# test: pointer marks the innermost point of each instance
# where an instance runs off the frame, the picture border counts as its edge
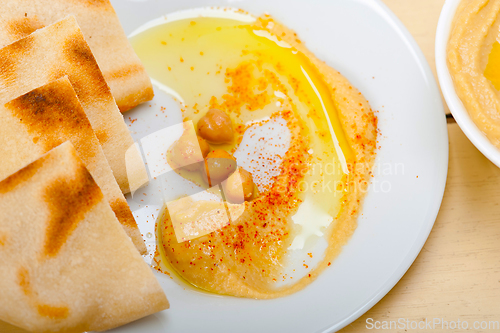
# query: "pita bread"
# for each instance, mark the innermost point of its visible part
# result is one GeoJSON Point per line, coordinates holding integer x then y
{"type": "Point", "coordinates": [122, 69]}
{"type": "Point", "coordinates": [41, 120]}
{"type": "Point", "coordinates": [67, 264]}
{"type": "Point", "coordinates": [58, 50]}
{"type": "Point", "coordinates": [8, 328]}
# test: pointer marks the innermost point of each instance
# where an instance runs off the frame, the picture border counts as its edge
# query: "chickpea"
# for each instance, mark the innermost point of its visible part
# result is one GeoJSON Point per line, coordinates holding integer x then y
{"type": "Point", "coordinates": [185, 152]}
{"type": "Point", "coordinates": [238, 184]}
{"type": "Point", "coordinates": [219, 164]}
{"type": "Point", "coordinates": [216, 127]}
{"type": "Point", "coordinates": [205, 148]}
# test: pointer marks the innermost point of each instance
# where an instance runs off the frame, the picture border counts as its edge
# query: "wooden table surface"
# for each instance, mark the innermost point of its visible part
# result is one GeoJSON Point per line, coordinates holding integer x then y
{"type": "Point", "coordinates": [457, 274]}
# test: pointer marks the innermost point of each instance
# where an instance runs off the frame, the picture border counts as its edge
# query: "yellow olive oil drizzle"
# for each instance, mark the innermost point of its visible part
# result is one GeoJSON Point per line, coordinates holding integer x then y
{"type": "Point", "coordinates": [163, 262]}
{"type": "Point", "coordinates": [492, 71]}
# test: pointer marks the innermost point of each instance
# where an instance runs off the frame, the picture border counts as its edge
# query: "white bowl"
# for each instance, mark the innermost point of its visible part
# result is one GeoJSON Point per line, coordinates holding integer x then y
{"type": "Point", "coordinates": [456, 106]}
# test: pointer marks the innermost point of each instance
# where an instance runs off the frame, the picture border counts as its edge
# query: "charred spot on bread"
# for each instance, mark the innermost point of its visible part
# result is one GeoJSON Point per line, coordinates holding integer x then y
{"type": "Point", "coordinates": [3, 239]}
{"type": "Point", "coordinates": [23, 26]}
{"type": "Point", "coordinates": [126, 71]}
{"type": "Point", "coordinates": [53, 312]}
{"type": "Point", "coordinates": [51, 114]}
{"type": "Point", "coordinates": [81, 59]}
{"type": "Point", "coordinates": [102, 135]}
{"type": "Point", "coordinates": [24, 280]}
{"type": "Point", "coordinates": [123, 213]}
{"type": "Point", "coordinates": [22, 176]}
{"type": "Point", "coordinates": [69, 200]}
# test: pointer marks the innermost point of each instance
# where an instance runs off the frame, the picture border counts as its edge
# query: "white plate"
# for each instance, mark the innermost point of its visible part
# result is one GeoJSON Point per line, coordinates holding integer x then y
{"type": "Point", "coordinates": [367, 44]}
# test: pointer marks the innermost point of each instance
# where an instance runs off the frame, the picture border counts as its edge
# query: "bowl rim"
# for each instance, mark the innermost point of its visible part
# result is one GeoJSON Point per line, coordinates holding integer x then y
{"type": "Point", "coordinates": [457, 109]}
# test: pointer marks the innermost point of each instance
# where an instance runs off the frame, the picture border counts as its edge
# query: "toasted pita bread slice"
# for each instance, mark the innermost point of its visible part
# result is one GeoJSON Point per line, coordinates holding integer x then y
{"type": "Point", "coordinates": [41, 120]}
{"type": "Point", "coordinates": [58, 50]}
{"type": "Point", "coordinates": [122, 69]}
{"type": "Point", "coordinates": [67, 264]}
{"type": "Point", "coordinates": [8, 328]}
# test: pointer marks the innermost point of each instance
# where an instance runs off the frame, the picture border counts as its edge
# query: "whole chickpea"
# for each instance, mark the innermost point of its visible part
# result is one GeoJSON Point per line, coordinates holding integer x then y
{"type": "Point", "coordinates": [219, 165]}
{"type": "Point", "coordinates": [216, 127]}
{"type": "Point", "coordinates": [239, 186]}
{"type": "Point", "coordinates": [185, 152]}
{"type": "Point", "coordinates": [205, 148]}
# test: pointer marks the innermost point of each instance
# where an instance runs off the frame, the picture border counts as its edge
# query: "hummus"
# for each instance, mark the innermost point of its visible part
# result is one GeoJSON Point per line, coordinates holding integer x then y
{"type": "Point", "coordinates": [273, 83]}
{"type": "Point", "coordinates": [474, 63]}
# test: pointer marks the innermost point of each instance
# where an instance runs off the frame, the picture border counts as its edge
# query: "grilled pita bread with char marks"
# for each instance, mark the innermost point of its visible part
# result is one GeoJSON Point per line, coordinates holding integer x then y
{"type": "Point", "coordinates": [41, 120]}
{"type": "Point", "coordinates": [58, 50]}
{"type": "Point", "coordinates": [67, 264]}
{"type": "Point", "coordinates": [122, 69]}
